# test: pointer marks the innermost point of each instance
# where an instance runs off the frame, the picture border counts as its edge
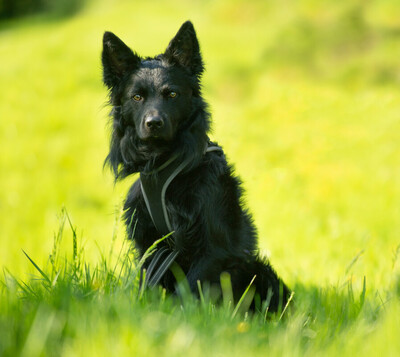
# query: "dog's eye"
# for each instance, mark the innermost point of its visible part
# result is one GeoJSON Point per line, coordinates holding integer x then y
{"type": "Point", "coordinates": [172, 94]}
{"type": "Point", "coordinates": [137, 97]}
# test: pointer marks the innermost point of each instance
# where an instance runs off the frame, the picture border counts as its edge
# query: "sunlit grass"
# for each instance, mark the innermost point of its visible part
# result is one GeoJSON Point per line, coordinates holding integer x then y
{"type": "Point", "coordinates": [73, 306]}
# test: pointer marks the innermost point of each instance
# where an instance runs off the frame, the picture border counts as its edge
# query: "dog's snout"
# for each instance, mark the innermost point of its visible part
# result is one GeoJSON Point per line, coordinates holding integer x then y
{"type": "Point", "coordinates": [154, 122]}
{"type": "Point", "coordinates": [155, 125]}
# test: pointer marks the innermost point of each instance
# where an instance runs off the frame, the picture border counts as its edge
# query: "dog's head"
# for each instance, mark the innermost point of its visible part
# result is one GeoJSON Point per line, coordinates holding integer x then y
{"type": "Point", "coordinates": [156, 101]}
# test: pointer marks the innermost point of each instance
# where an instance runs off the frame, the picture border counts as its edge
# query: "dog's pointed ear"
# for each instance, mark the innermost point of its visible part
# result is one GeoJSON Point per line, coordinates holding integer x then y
{"type": "Point", "coordinates": [117, 59]}
{"type": "Point", "coordinates": [184, 50]}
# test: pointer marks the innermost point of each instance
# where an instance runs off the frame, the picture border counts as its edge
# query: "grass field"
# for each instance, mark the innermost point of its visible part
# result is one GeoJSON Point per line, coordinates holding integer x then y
{"type": "Point", "coordinates": [306, 102]}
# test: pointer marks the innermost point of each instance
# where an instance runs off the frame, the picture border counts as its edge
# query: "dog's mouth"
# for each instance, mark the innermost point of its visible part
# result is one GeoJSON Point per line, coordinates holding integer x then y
{"type": "Point", "coordinates": [156, 140]}
{"type": "Point", "coordinates": [163, 134]}
{"type": "Point", "coordinates": [156, 135]}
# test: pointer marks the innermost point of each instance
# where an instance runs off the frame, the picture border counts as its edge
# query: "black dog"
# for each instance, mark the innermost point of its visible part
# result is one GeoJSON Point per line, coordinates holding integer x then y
{"type": "Point", "coordinates": [160, 126]}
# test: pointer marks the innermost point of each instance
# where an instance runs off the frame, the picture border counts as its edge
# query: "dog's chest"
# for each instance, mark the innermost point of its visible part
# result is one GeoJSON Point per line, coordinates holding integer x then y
{"type": "Point", "coordinates": [168, 186]}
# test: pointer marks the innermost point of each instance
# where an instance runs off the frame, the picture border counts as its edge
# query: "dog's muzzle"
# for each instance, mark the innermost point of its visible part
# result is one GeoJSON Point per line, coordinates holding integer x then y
{"type": "Point", "coordinates": [156, 126]}
{"type": "Point", "coordinates": [154, 123]}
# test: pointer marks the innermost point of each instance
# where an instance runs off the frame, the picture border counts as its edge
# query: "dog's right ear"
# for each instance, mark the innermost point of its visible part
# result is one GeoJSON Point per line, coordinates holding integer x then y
{"type": "Point", "coordinates": [184, 50]}
{"type": "Point", "coordinates": [117, 59]}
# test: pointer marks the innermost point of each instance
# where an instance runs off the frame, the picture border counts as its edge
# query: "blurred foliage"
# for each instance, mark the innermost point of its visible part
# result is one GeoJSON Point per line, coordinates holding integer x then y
{"type": "Point", "coordinates": [10, 9]}
{"type": "Point", "coordinates": [352, 44]}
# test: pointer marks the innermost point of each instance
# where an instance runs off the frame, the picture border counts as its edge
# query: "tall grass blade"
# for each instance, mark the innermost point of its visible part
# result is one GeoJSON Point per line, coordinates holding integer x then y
{"type": "Point", "coordinates": [142, 287]}
{"type": "Point", "coordinates": [152, 248]}
{"type": "Point", "coordinates": [267, 303]}
{"type": "Point", "coordinates": [27, 289]}
{"type": "Point", "coordinates": [226, 286]}
{"type": "Point", "coordinates": [183, 285]}
{"type": "Point", "coordinates": [286, 306]}
{"type": "Point", "coordinates": [201, 295]}
{"type": "Point", "coordinates": [42, 273]}
{"type": "Point", "coordinates": [354, 260]}
{"type": "Point", "coordinates": [243, 297]}
{"type": "Point", "coordinates": [364, 290]}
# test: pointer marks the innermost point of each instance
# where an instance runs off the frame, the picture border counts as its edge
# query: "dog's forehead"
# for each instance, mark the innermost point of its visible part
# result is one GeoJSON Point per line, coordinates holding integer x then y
{"type": "Point", "coordinates": [156, 74]}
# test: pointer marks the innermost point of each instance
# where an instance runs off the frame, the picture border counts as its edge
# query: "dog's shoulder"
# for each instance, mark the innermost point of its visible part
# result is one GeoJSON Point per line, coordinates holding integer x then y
{"type": "Point", "coordinates": [133, 193]}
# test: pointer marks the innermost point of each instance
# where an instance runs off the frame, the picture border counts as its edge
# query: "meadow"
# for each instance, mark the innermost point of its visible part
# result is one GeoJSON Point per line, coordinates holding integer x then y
{"type": "Point", "coordinates": [305, 97]}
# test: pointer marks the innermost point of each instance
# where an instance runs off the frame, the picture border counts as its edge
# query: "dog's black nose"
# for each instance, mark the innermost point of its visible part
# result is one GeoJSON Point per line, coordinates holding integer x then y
{"type": "Point", "coordinates": [154, 122]}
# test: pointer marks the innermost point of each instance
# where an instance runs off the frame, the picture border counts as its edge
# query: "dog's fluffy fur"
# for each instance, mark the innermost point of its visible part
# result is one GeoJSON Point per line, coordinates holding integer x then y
{"type": "Point", "coordinates": [158, 111]}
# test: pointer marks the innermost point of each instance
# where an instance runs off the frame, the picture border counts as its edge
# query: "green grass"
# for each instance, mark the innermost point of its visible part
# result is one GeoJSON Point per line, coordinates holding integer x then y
{"type": "Point", "coordinates": [75, 307]}
{"type": "Point", "coordinates": [305, 101]}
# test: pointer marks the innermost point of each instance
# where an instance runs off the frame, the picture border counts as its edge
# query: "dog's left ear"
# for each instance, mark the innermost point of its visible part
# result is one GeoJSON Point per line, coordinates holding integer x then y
{"type": "Point", "coordinates": [117, 59]}
{"type": "Point", "coordinates": [184, 50]}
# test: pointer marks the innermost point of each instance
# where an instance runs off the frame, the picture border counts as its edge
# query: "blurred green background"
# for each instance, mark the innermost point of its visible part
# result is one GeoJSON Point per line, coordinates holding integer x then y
{"type": "Point", "coordinates": [305, 99]}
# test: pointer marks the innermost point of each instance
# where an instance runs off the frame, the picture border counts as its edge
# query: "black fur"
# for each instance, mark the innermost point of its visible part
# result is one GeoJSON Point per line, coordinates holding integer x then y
{"type": "Point", "coordinates": [158, 111]}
